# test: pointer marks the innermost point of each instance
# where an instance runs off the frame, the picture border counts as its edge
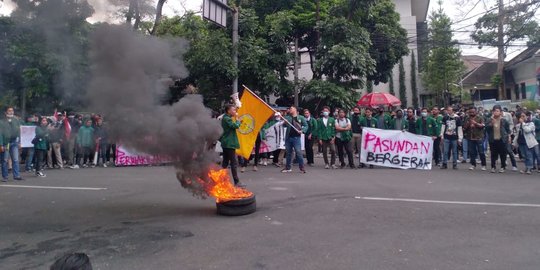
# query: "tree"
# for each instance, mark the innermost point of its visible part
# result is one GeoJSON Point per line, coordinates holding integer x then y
{"type": "Point", "coordinates": [414, 88]}
{"type": "Point", "coordinates": [369, 86]}
{"type": "Point", "coordinates": [391, 84]}
{"type": "Point", "coordinates": [443, 65]}
{"type": "Point", "coordinates": [402, 87]}
{"type": "Point", "coordinates": [503, 26]}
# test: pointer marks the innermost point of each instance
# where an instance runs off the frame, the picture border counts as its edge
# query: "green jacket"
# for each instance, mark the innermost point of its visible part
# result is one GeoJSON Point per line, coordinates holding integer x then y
{"type": "Point", "coordinates": [312, 127]}
{"type": "Point", "coordinates": [431, 127]}
{"type": "Point", "coordinates": [11, 130]}
{"type": "Point", "coordinates": [42, 136]}
{"type": "Point", "coordinates": [303, 124]}
{"type": "Point", "coordinates": [327, 132]}
{"type": "Point", "coordinates": [387, 120]}
{"type": "Point", "coordinates": [229, 139]}
{"type": "Point", "coordinates": [404, 124]}
{"type": "Point", "coordinates": [363, 122]}
{"type": "Point", "coordinates": [438, 120]}
{"type": "Point", "coordinates": [85, 137]}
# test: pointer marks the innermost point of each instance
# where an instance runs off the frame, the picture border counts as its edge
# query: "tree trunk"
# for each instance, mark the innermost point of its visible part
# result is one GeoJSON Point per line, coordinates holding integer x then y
{"type": "Point", "coordinates": [500, 48]}
{"type": "Point", "coordinates": [159, 11]}
{"type": "Point", "coordinates": [137, 16]}
{"type": "Point", "coordinates": [129, 15]}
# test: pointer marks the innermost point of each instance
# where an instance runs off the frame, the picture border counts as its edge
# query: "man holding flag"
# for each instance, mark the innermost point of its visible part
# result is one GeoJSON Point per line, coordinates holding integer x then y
{"type": "Point", "coordinates": [296, 126]}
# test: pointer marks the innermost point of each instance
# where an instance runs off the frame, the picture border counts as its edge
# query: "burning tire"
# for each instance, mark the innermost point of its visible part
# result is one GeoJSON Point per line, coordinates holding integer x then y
{"type": "Point", "coordinates": [237, 207]}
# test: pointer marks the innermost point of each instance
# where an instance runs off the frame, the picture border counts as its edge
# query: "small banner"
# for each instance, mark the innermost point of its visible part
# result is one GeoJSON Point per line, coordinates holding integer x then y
{"type": "Point", "coordinates": [129, 157]}
{"type": "Point", "coordinates": [28, 133]}
{"type": "Point", "coordinates": [396, 149]}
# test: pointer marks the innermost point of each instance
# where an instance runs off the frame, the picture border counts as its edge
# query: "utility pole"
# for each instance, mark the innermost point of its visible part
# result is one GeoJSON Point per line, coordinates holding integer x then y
{"type": "Point", "coordinates": [235, 41]}
{"type": "Point", "coordinates": [500, 48]}
{"type": "Point", "coordinates": [296, 67]}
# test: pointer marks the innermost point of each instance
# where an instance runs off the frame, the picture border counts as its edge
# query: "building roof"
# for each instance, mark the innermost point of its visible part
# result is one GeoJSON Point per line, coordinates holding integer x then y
{"type": "Point", "coordinates": [420, 9]}
{"type": "Point", "coordinates": [473, 62]}
{"type": "Point", "coordinates": [525, 55]}
{"type": "Point", "coordinates": [481, 75]}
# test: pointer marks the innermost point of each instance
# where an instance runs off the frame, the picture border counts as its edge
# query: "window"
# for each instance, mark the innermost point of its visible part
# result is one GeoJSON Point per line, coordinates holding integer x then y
{"type": "Point", "coordinates": [516, 91]}
{"type": "Point", "coordinates": [523, 91]}
{"type": "Point", "coordinates": [508, 94]}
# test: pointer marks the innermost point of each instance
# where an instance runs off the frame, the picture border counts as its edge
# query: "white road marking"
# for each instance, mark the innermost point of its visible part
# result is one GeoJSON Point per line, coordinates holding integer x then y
{"type": "Point", "coordinates": [50, 187]}
{"type": "Point", "coordinates": [447, 202]}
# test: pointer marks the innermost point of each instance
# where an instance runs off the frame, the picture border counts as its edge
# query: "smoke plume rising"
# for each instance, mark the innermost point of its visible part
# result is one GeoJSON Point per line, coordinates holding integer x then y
{"type": "Point", "coordinates": [128, 71]}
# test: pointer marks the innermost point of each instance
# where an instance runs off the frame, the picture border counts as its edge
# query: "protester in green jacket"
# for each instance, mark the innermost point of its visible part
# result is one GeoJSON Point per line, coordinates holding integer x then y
{"type": "Point", "coordinates": [398, 122]}
{"type": "Point", "coordinates": [85, 143]}
{"type": "Point", "coordinates": [229, 141]}
{"type": "Point", "coordinates": [368, 120]}
{"type": "Point", "coordinates": [41, 145]}
{"type": "Point", "coordinates": [310, 136]}
{"type": "Point", "coordinates": [435, 114]}
{"type": "Point", "coordinates": [326, 133]}
{"type": "Point", "coordinates": [11, 127]}
{"type": "Point", "coordinates": [426, 125]}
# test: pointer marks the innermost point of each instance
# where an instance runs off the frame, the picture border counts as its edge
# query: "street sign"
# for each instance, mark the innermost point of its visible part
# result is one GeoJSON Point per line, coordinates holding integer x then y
{"type": "Point", "coordinates": [216, 11]}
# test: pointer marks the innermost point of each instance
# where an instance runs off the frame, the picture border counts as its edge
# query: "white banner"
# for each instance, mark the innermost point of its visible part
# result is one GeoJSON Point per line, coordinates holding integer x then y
{"type": "Point", "coordinates": [28, 133]}
{"type": "Point", "coordinates": [396, 149]}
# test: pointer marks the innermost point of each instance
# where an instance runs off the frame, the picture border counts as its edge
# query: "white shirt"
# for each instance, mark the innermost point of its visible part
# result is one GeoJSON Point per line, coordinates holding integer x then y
{"type": "Point", "coordinates": [325, 121]}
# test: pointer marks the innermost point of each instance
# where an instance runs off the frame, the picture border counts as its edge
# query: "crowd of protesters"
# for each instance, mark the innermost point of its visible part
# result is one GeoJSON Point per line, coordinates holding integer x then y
{"type": "Point", "coordinates": [460, 136]}
{"type": "Point", "coordinates": [60, 141]}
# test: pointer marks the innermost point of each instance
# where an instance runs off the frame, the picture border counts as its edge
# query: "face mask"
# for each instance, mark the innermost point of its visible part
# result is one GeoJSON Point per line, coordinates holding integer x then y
{"type": "Point", "coordinates": [9, 115]}
{"type": "Point", "coordinates": [424, 114]}
{"type": "Point", "coordinates": [325, 114]}
{"type": "Point", "coordinates": [356, 113]}
{"type": "Point", "coordinates": [277, 118]}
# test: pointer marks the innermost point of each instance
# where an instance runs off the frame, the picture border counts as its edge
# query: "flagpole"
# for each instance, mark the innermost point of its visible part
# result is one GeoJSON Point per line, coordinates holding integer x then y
{"type": "Point", "coordinates": [255, 95]}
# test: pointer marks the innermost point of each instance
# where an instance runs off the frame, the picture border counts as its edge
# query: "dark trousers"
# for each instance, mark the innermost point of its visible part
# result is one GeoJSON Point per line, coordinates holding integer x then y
{"type": "Point", "coordinates": [498, 149]}
{"type": "Point", "coordinates": [229, 157]}
{"type": "Point", "coordinates": [511, 154]}
{"type": "Point", "coordinates": [343, 148]}
{"type": "Point", "coordinates": [257, 149]}
{"type": "Point", "coordinates": [325, 145]}
{"type": "Point", "coordinates": [276, 153]}
{"type": "Point", "coordinates": [40, 157]}
{"type": "Point", "coordinates": [437, 150]}
{"type": "Point", "coordinates": [308, 143]}
{"type": "Point", "coordinates": [476, 148]}
{"type": "Point", "coordinates": [87, 154]}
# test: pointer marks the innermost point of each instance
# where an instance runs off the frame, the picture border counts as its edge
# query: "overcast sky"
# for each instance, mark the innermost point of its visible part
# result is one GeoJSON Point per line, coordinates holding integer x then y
{"type": "Point", "coordinates": [463, 12]}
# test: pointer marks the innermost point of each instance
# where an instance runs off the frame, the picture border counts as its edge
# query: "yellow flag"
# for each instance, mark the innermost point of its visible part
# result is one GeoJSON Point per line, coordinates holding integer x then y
{"type": "Point", "coordinates": [253, 114]}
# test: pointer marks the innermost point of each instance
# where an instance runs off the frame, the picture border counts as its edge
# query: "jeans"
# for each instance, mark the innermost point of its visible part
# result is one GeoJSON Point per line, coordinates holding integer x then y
{"type": "Point", "coordinates": [29, 159]}
{"type": "Point", "coordinates": [294, 143]}
{"type": "Point", "coordinates": [476, 147]}
{"type": "Point", "coordinates": [12, 152]}
{"type": "Point", "coordinates": [528, 154]}
{"type": "Point", "coordinates": [498, 149]}
{"type": "Point", "coordinates": [447, 144]}
{"type": "Point", "coordinates": [465, 147]}
{"type": "Point", "coordinates": [229, 157]}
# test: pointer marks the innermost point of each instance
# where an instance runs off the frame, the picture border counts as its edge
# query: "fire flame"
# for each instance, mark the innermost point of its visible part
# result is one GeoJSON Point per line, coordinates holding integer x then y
{"type": "Point", "coordinates": [222, 188]}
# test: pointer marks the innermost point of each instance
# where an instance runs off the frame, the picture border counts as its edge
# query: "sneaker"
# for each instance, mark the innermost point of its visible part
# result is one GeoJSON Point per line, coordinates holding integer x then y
{"type": "Point", "coordinates": [501, 170]}
{"type": "Point", "coordinates": [286, 170]}
{"type": "Point", "coordinates": [334, 167]}
{"type": "Point", "coordinates": [514, 169]}
{"type": "Point", "coordinates": [40, 174]}
{"type": "Point", "coordinates": [85, 166]}
{"type": "Point", "coordinates": [472, 168]}
{"type": "Point", "coordinates": [327, 166]}
{"type": "Point", "coordinates": [265, 163]}
{"type": "Point", "coordinates": [239, 184]}
{"type": "Point", "coordinates": [243, 169]}
{"type": "Point", "coordinates": [522, 171]}
{"type": "Point", "coordinates": [483, 168]}
{"type": "Point", "coordinates": [311, 165]}
{"type": "Point", "coordinates": [4, 179]}
{"type": "Point", "coordinates": [74, 167]}
{"type": "Point", "coordinates": [18, 178]}
{"type": "Point", "coordinates": [454, 166]}
{"type": "Point", "coordinates": [493, 170]}
{"type": "Point", "coordinates": [104, 165]}
{"type": "Point", "coordinates": [529, 171]}
{"type": "Point", "coordinates": [444, 167]}
{"type": "Point", "coordinates": [302, 170]}
{"type": "Point", "coordinates": [255, 168]}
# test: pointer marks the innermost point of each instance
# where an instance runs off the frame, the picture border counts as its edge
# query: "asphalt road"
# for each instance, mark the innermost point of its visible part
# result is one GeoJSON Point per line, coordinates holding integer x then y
{"type": "Point", "coordinates": [325, 219]}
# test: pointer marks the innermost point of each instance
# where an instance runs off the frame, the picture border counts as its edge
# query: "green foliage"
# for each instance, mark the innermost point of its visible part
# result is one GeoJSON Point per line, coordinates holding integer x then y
{"type": "Point", "coordinates": [414, 87]}
{"type": "Point", "coordinates": [496, 80]}
{"type": "Point", "coordinates": [531, 105]}
{"type": "Point", "coordinates": [318, 93]}
{"type": "Point", "coordinates": [369, 86]}
{"type": "Point", "coordinates": [391, 89]}
{"type": "Point", "coordinates": [402, 87]}
{"type": "Point", "coordinates": [443, 65]}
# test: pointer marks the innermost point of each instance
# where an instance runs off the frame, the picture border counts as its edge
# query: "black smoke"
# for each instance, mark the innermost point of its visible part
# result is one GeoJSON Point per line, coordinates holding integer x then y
{"type": "Point", "coordinates": [129, 78]}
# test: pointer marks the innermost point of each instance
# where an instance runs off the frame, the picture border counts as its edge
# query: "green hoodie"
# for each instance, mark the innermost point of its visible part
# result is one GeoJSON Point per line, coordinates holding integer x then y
{"type": "Point", "coordinates": [42, 136]}
{"type": "Point", "coordinates": [229, 139]}
{"type": "Point", "coordinates": [11, 130]}
{"type": "Point", "coordinates": [85, 137]}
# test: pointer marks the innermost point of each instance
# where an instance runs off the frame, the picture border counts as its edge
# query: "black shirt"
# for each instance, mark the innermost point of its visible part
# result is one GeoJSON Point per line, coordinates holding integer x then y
{"type": "Point", "coordinates": [355, 124]}
{"type": "Point", "coordinates": [296, 123]}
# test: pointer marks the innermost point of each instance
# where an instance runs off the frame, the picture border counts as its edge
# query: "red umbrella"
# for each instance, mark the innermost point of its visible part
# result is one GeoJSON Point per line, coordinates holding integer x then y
{"type": "Point", "coordinates": [377, 99]}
